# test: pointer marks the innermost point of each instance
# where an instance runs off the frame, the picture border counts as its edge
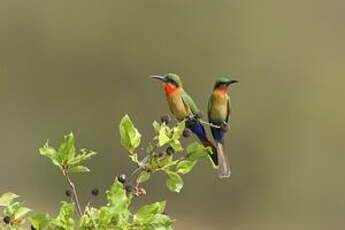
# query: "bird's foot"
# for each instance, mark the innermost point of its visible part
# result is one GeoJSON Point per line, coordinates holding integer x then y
{"type": "Point", "coordinates": [190, 120]}
{"type": "Point", "coordinates": [225, 127]}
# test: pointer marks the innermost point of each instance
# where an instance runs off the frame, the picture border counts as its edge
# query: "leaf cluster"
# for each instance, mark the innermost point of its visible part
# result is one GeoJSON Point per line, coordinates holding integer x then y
{"type": "Point", "coordinates": [164, 153]}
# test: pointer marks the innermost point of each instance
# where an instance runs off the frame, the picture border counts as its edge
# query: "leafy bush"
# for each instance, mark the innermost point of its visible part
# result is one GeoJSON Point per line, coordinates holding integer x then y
{"type": "Point", "coordinates": [164, 154]}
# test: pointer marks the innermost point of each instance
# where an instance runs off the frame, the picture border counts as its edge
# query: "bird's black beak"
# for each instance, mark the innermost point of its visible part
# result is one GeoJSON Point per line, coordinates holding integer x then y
{"type": "Point", "coordinates": [161, 78]}
{"type": "Point", "coordinates": [231, 82]}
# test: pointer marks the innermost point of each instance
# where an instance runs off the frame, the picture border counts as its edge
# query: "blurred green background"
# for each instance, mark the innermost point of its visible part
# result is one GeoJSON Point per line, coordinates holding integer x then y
{"type": "Point", "coordinates": [81, 65]}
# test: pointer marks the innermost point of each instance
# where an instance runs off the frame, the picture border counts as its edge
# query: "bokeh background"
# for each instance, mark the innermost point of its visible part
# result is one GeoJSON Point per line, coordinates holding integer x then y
{"type": "Point", "coordinates": [81, 65]}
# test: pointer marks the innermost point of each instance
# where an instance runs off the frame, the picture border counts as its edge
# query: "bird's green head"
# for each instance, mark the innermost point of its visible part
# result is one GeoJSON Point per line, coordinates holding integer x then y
{"type": "Point", "coordinates": [171, 82]}
{"type": "Point", "coordinates": [169, 78]}
{"type": "Point", "coordinates": [224, 82]}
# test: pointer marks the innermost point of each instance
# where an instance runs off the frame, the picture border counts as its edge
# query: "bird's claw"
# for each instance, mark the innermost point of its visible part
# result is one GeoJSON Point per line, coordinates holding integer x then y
{"type": "Point", "coordinates": [225, 127]}
{"type": "Point", "coordinates": [190, 120]}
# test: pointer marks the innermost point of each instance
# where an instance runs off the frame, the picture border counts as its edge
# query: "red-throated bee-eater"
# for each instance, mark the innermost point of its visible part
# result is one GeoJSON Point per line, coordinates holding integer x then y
{"type": "Point", "coordinates": [182, 106]}
{"type": "Point", "coordinates": [219, 108]}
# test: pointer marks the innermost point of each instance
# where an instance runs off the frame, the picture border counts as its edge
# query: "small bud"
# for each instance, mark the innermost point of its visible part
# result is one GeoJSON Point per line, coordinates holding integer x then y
{"type": "Point", "coordinates": [186, 133]}
{"type": "Point", "coordinates": [33, 228]}
{"type": "Point", "coordinates": [170, 150]}
{"type": "Point", "coordinates": [141, 192]}
{"type": "Point", "coordinates": [138, 191]}
{"type": "Point", "coordinates": [129, 188]}
{"type": "Point", "coordinates": [68, 192]}
{"type": "Point", "coordinates": [224, 127]}
{"type": "Point", "coordinates": [155, 143]}
{"type": "Point", "coordinates": [95, 192]}
{"type": "Point", "coordinates": [7, 219]}
{"type": "Point", "coordinates": [165, 119]}
{"type": "Point", "coordinates": [122, 178]}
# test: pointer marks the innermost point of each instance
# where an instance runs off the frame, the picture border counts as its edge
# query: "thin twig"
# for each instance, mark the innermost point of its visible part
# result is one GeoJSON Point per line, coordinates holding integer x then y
{"type": "Point", "coordinates": [210, 124]}
{"type": "Point", "coordinates": [74, 190]}
{"type": "Point", "coordinates": [140, 168]}
{"type": "Point", "coordinates": [202, 121]}
{"type": "Point", "coordinates": [86, 207]}
{"type": "Point", "coordinates": [92, 220]}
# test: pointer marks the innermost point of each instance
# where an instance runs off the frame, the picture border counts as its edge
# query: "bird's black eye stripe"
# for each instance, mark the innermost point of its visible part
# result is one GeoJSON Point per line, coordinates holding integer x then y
{"type": "Point", "coordinates": [220, 84]}
{"type": "Point", "coordinates": [171, 81]}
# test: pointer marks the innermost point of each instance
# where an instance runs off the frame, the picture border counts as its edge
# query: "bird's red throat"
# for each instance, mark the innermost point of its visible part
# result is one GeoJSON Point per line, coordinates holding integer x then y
{"type": "Point", "coordinates": [221, 90]}
{"type": "Point", "coordinates": [169, 88]}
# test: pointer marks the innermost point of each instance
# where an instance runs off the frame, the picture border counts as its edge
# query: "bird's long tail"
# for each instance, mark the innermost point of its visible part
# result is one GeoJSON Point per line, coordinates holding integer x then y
{"type": "Point", "coordinates": [223, 162]}
{"type": "Point", "coordinates": [199, 130]}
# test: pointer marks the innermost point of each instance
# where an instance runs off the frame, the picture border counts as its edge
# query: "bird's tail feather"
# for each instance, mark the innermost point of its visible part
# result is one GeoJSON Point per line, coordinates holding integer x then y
{"type": "Point", "coordinates": [223, 162]}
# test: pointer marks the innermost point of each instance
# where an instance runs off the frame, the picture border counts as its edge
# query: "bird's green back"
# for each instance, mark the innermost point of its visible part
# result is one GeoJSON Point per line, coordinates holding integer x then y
{"type": "Point", "coordinates": [188, 101]}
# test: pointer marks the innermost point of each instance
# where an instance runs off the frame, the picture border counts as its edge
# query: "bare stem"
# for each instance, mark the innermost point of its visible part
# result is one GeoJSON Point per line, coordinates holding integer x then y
{"type": "Point", "coordinates": [210, 124]}
{"type": "Point", "coordinates": [141, 166]}
{"type": "Point", "coordinates": [74, 190]}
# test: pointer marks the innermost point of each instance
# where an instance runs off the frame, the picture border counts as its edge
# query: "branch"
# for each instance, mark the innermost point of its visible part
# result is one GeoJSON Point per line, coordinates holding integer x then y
{"type": "Point", "coordinates": [74, 190]}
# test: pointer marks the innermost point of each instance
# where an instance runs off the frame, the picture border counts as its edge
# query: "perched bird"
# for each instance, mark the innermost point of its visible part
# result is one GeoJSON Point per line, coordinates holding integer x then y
{"type": "Point", "coordinates": [182, 106]}
{"type": "Point", "coordinates": [219, 108]}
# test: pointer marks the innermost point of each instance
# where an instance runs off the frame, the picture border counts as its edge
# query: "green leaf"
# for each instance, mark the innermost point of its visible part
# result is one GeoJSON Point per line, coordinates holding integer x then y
{"type": "Point", "coordinates": [11, 209]}
{"type": "Point", "coordinates": [7, 198]}
{"type": "Point", "coordinates": [178, 130]}
{"type": "Point", "coordinates": [162, 222]}
{"type": "Point", "coordinates": [39, 221]}
{"type": "Point", "coordinates": [174, 182]}
{"type": "Point", "coordinates": [78, 169]}
{"type": "Point", "coordinates": [105, 216]}
{"type": "Point", "coordinates": [65, 217]}
{"type": "Point", "coordinates": [130, 136]}
{"type": "Point", "coordinates": [185, 167]}
{"type": "Point", "coordinates": [164, 135]}
{"type": "Point", "coordinates": [143, 177]}
{"type": "Point", "coordinates": [20, 212]}
{"type": "Point", "coordinates": [134, 157]}
{"type": "Point", "coordinates": [147, 213]}
{"type": "Point", "coordinates": [168, 160]}
{"type": "Point", "coordinates": [118, 203]}
{"type": "Point", "coordinates": [16, 210]}
{"type": "Point", "coordinates": [197, 151]}
{"type": "Point", "coordinates": [51, 153]}
{"type": "Point", "coordinates": [85, 155]}
{"type": "Point", "coordinates": [176, 144]}
{"type": "Point", "coordinates": [85, 221]}
{"type": "Point", "coordinates": [156, 126]}
{"type": "Point", "coordinates": [67, 149]}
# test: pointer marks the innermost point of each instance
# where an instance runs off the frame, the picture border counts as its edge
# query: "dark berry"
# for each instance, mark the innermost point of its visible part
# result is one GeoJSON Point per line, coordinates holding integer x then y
{"type": "Point", "coordinates": [33, 228]}
{"type": "Point", "coordinates": [95, 192]}
{"type": "Point", "coordinates": [186, 133]}
{"type": "Point", "coordinates": [170, 150]}
{"type": "Point", "coordinates": [7, 219]}
{"type": "Point", "coordinates": [129, 188]}
{"type": "Point", "coordinates": [68, 192]}
{"type": "Point", "coordinates": [122, 178]}
{"type": "Point", "coordinates": [160, 154]}
{"type": "Point", "coordinates": [165, 119]}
